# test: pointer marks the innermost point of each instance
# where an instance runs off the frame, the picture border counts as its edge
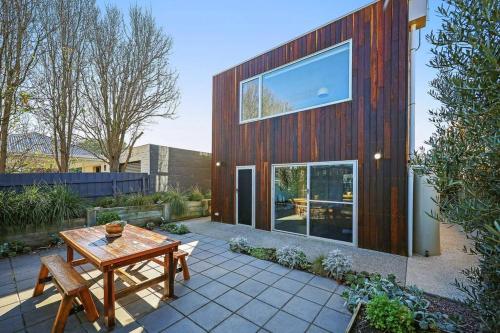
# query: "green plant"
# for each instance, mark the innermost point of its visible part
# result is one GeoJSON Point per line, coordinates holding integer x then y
{"type": "Point", "coordinates": [208, 195]}
{"type": "Point", "coordinates": [195, 194]}
{"type": "Point", "coordinates": [106, 217]}
{"type": "Point", "coordinates": [263, 253]}
{"type": "Point", "coordinates": [104, 202]}
{"type": "Point", "coordinates": [462, 158]}
{"type": "Point", "coordinates": [177, 201]}
{"type": "Point", "coordinates": [175, 228]}
{"type": "Point", "coordinates": [55, 240]}
{"type": "Point", "coordinates": [389, 315]}
{"type": "Point", "coordinates": [239, 244]}
{"type": "Point", "coordinates": [13, 248]}
{"type": "Point", "coordinates": [337, 265]}
{"type": "Point", "coordinates": [317, 266]}
{"type": "Point", "coordinates": [138, 200]}
{"type": "Point", "coordinates": [64, 204]}
{"type": "Point", "coordinates": [150, 225]}
{"type": "Point", "coordinates": [291, 257]}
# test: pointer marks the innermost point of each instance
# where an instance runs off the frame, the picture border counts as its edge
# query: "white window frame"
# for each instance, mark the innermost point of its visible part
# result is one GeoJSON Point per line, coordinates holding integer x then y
{"type": "Point", "coordinates": [245, 167]}
{"type": "Point", "coordinates": [259, 76]}
{"type": "Point", "coordinates": [354, 202]}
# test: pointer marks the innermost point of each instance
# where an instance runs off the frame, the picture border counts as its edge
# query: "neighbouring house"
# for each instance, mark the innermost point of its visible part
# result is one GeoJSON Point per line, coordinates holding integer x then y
{"type": "Point", "coordinates": [34, 152]}
{"type": "Point", "coordinates": [168, 166]}
{"type": "Point", "coordinates": [314, 136]}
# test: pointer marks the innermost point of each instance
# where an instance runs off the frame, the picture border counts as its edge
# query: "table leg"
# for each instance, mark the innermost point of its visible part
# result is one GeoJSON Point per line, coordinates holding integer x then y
{"type": "Point", "coordinates": [69, 253]}
{"type": "Point", "coordinates": [169, 269]}
{"type": "Point", "coordinates": [109, 298]}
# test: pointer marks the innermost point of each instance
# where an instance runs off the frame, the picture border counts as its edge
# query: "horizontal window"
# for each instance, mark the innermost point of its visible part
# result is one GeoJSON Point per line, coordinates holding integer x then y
{"type": "Point", "coordinates": [321, 79]}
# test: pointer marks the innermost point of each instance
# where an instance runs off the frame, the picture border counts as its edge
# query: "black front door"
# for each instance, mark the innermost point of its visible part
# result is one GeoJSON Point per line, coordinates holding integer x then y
{"type": "Point", "coordinates": [245, 196]}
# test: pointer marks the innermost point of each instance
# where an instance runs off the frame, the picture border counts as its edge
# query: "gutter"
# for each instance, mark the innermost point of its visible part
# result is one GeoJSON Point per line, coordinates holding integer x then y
{"type": "Point", "coordinates": [411, 132]}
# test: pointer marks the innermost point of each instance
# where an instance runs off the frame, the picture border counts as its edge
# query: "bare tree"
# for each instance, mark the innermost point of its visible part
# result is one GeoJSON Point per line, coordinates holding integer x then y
{"type": "Point", "coordinates": [130, 82]}
{"type": "Point", "coordinates": [59, 74]}
{"type": "Point", "coordinates": [20, 38]}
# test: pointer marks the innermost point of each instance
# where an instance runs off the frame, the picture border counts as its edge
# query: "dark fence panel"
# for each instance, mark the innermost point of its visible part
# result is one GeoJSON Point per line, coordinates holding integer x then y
{"type": "Point", "coordinates": [87, 185]}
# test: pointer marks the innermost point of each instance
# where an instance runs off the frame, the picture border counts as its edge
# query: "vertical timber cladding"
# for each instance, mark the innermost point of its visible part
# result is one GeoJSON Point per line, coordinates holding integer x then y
{"type": "Point", "coordinates": [374, 121]}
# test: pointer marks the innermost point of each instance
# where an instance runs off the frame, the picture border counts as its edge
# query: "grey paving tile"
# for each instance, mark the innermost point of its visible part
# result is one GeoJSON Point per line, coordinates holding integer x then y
{"type": "Point", "coordinates": [266, 277]}
{"type": "Point", "coordinates": [184, 326]}
{"type": "Point", "coordinates": [244, 259]}
{"type": "Point", "coordinates": [200, 254]}
{"type": "Point", "coordinates": [218, 250]}
{"type": "Point", "coordinates": [288, 285]}
{"type": "Point", "coordinates": [231, 265]}
{"type": "Point", "coordinates": [274, 297]}
{"type": "Point", "coordinates": [336, 302]}
{"type": "Point", "coordinates": [332, 320]}
{"type": "Point", "coordinates": [200, 266]}
{"type": "Point", "coordinates": [315, 329]}
{"type": "Point", "coordinates": [324, 283]}
{"type": "Point", "coordinates": [251, 287]}
{"type": "Point", "coordinates": [213, 289]}
{"type": "Point", "coordinates": [216, 260]}
{"type": "Point", "coordinates": [196, 281]}
{"type": "Point", "coordinates": [278, 269]}
{"type": "Point", "coordinates": [209, 315]}
{"type": "Point", "coordinates": [247, 270]}
{"type": "Point", "coordinates": [302, 308]}
{"type": "Point", "coordinates": [300, 276]}
{"type": "Point", "coordinates": [286, 323]}
{"type": "Point", "coordinates": [236, 323]}
{"type": "Point", "coordinates": [232, 279]}
{"type": "Point", "coordinates": [189, 303]}
{"type": "Point", "coordinates": [12, 324]}
{"type": "Point", "coordinates": [206, 246]}
{"type": "Point", "coordinates": [340, 289]}
{"type": "Point", "coordinates": [160, 319]}
{"type": "Point", "coordinates": [11, 310]}
{"type": "Point", "coordinates": [230, 254]}
{"type": "Point", "coordinates": [314, 294]}
{"type": "Point", "coordinates": [259, 263]}
{"type": "Point", "coordinates": [233, 300]}
{"type": "Point", "coordinates": [219, 242]}
{"type": "Point", "coordinates": [257, 312]}
{"type": "Point", "coordinates": [215, 272]}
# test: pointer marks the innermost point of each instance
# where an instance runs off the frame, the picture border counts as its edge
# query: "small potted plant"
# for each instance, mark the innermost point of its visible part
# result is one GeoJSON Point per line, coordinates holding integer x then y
{"type": "Point", "coordinates": [115, 228]}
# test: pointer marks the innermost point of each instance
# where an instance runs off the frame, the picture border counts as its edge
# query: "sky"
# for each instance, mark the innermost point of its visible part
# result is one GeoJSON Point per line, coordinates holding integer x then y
{"type": "Point", "coordinates": [211, 36]}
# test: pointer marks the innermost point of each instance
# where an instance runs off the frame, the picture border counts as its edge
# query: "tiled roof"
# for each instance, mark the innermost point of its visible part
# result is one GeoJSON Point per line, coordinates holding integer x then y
{"type": "Point", "coordinates": [41, 144]}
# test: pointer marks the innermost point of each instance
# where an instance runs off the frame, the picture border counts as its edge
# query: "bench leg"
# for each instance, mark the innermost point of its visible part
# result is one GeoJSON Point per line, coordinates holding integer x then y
{"type": "Point", "coordinates": [88, 305]}
{"type": "Point", "coordinates": [169, 269]}
{"type": "Point", "coordinates": [185, 270]}
{"type": "Point", "coordinates": [109, 298]}
{"type": "Point", "coordinates": [62, 314]}
{"type": "Point", "coordinates": [43, 274]}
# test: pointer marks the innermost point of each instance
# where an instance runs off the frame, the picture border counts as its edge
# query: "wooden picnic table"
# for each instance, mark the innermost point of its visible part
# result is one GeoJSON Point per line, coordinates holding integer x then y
{"type": "Point", "coordinates": [109, 255]}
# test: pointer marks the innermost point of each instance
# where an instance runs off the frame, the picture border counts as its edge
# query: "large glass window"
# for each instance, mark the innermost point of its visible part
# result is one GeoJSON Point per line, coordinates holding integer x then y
{"type": "Point", "coordinates": [321, 79]}
{"type": "Point", "coordinates": [316, 199]}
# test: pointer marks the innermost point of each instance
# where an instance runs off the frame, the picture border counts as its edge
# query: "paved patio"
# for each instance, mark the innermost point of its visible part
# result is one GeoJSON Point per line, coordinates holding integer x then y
{"type": "Point", "coordinates": [227, 292]}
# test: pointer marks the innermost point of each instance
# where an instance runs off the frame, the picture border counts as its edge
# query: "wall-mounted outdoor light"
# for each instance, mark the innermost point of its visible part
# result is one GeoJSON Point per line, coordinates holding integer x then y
{"type": "Point", "coordinates": [377, 156]}
{"type": "Point", "coordinates": [216, 213]}
{"type": "Point", "coordinates": [218, 163]}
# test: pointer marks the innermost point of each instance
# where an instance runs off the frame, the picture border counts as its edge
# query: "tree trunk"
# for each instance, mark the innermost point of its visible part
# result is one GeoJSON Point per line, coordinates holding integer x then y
{"type": "Point", "coordinates": [4, 132]}
{"type": "Point", "coordinates": [114, 164]}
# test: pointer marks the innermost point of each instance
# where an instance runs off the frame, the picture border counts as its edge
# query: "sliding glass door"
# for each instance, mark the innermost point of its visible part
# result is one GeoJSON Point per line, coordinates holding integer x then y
{"type": "Point", "coordinates": [316, 199]}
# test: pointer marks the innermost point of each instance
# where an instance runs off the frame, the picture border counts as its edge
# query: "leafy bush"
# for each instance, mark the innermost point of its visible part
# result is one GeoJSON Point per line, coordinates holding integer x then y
{"type": "Point", "coordinates": [239, 244]}
{"type": "Point", "coordinates": [150, 225]}
{"type": "Point", "coordinates": [364, 287]}
{"type": "Point", "coordinates": [38, 206]}
{"type": "Point", "coordinates": [139, 200]}
{"type": "Point", "coordinates": [175, 228]}
{"type": "Point", "coordinates": [106, 217]}
{"type": "Point", "coordinates": [317, 266]}
{"type": "Point", "coordinates": [208, 195]}
{"type": "Point", "coordinates": [337, 265]}
{"type": "Point", "coordinates": [263, 253]}
{"type": "Point", "coordinates": [389, 315]}
{"type": "Point", "coordinates": [13, 248]}
{"type": "Point", "coordinates": [195, 194]}
{"type": "Point", "coordinates": [177, 201]}
{"type": "Point", "coordinates": [291, 257]}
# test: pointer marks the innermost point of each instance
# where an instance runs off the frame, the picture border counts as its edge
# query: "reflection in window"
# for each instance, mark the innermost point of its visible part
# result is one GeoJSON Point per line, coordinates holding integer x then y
{"type": "Point", "coordinates": [290, 199]}
{"type": "Point", "coordinates": [331, 220]}
{"type": "Point", "coordinates": [318, 80]}
{"type": "Point", "coordinates": [331, 183]}
{"type": "Point", "coordinates": [250, 99]}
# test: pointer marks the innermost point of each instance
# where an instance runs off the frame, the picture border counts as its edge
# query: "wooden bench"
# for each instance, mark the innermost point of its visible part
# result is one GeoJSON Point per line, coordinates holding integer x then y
{"type": "Point", "coordinates": [178, 256]}
{"type": "Point", "coordinates": [71, 286]}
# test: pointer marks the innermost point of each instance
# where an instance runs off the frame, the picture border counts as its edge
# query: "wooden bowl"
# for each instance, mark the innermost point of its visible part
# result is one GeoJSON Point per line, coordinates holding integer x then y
{"type": "Point", "coordinates": [114, 229]}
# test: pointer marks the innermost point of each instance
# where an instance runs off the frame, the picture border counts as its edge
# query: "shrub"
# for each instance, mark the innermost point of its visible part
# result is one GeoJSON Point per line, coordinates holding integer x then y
{"type": "Point", "coordinates": [337, 265]}
{"type": "Point", "coordinates": [208, 195]}
{"type": "Point", "coordinates": [291, 257]}
{"type": "Point", "coordinates": [138, 200]}
{"type": "Point", "coordinates": [263, 253]}
{"type": "Point", "coordinates": [150, 225]}
{"type": "Point", "coordinates": [389, 315]}
{"type": "Point", "coordinates": [13, 248]}
{"type": "Point", "coordinates": [195, 194]}
{"type": "Point", "coordinates": [104, 202]}
{"type": "Point", "coordinates": [239, 244]}
{"type": "Point", "coordinates": [64, 204]}
{"type": "Point", "coordinates": [317, 266]}
{"type": "Point", "coordinates": [175, 228]}
{"type": "Point", "coordinates": [177, 201]}
{"type": "Point", "coordinates": [106, 217]}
